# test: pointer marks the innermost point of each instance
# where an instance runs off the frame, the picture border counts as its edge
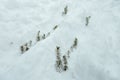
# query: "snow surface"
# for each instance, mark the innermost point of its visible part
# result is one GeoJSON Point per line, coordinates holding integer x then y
{"type": "Point", "coordinates": [97, 56]}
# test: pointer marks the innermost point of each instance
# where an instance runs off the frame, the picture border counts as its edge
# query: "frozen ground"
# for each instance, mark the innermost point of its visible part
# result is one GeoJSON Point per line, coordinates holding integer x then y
{"type": "Point", "coordinates": [97, 56]}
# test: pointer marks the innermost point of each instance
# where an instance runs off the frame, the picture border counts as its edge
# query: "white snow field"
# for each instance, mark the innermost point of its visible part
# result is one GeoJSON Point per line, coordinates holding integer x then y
{"type": "Point", "coordinates": [97, 56]}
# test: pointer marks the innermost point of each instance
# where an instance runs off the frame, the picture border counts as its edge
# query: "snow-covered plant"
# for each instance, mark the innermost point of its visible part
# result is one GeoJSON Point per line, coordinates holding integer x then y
{"type": "Point", "coordinates": [43, 37]}
{"type": "Point", "coordinates": [65, 10]}
{"type": "Point", "coordinates": [38, 36]}
{"type": "Point", "coordinates": [55, 27]}
{"type": "Point", "coordinates": [58, 52]}
{"type": "Point", "coordinates": [75, 43]}
{"type": "Point", "coordinates": [22, 49]}
{"type": "Point", "coordinates": [65, 66]}
{"type": "Point", "coordinates": [58, 64]}
{"type": "Point", "coordinates": [87, 20]}
{"type": "Point", "coordinates": [68, 53]}
{"type": "Point", "coordinates": [26, 47]}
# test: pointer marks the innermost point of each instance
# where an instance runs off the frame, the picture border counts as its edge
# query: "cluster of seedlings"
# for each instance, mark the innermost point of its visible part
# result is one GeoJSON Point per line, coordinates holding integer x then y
{"type": "Point", "coordinates": [62, 64]}
{"type": "Point", "coordinates": [25, 47]}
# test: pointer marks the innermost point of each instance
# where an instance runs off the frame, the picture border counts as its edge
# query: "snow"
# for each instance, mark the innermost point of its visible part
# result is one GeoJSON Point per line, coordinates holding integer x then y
{"type": "Point", "coordinates": [96, 57]}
